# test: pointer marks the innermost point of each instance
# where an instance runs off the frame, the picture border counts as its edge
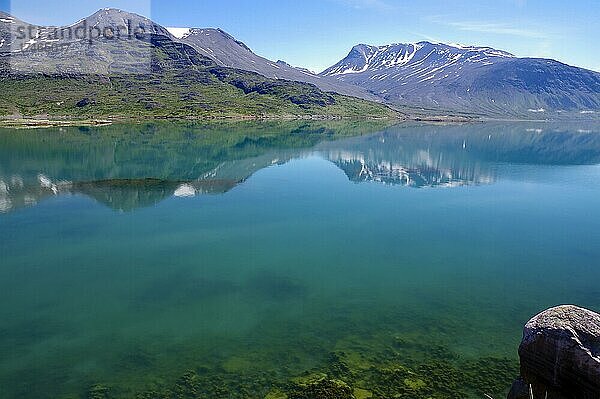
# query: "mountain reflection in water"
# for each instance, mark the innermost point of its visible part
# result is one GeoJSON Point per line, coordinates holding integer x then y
{"type": "Point", "coordinates": [126, 167]}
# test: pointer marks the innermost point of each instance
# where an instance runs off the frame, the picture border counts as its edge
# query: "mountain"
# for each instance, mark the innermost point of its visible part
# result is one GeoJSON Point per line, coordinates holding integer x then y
{"type": "Point", "coordinates": [227, 51]}
{"type": "Point", "coordinates": [482, 80]}
{"type": "Point", "coordinates": [122, 65]}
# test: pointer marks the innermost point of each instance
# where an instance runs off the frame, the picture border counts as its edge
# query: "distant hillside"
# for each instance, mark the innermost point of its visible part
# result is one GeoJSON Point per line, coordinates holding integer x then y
{"type": "Point", "coordinates": [481, 80]}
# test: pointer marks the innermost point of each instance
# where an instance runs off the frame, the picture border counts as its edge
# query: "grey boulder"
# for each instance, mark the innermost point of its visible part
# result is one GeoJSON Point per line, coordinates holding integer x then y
{"type": "Point", "coordinates": [560, 353]}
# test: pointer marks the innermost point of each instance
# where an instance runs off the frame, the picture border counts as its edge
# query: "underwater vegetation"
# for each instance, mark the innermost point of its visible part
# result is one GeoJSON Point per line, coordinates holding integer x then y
{"type": "Point", "coordinates": [359, 368]}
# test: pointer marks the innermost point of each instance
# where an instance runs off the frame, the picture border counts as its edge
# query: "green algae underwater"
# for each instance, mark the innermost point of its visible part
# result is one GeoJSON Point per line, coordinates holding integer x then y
{"type": "Point", "coordinates": [289, 260]}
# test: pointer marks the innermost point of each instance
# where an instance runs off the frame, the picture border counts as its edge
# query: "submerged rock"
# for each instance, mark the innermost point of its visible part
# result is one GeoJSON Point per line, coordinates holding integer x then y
{"type": "Point", "coordinates": [560, 354]}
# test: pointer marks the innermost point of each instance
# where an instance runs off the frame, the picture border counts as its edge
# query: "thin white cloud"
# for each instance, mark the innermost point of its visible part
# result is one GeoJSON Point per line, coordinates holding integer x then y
{"type": "Point", "coordinates": [498, 29]}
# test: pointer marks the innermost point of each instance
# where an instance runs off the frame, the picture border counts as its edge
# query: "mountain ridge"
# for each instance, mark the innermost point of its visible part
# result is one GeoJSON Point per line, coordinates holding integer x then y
{"type": "Point", "coordinates": [226, 50]}
{"type": "Point", "coordinates": [402, 53]}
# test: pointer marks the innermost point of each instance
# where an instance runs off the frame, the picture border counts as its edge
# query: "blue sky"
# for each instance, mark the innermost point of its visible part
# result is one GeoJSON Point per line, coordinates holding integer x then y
{"type": "Point", "coordinates": [318, 33]}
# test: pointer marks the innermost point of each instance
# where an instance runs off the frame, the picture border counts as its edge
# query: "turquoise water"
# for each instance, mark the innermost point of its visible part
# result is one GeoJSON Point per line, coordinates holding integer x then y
{"type": "Point", "coordinates": [206, 261]}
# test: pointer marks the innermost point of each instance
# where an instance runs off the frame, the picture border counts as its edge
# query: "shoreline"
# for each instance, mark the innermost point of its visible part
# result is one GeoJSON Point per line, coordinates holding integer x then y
{"type": "Point", "coordinates": [41, 123]}
{"type": "Point", "coordinates": [45, 122]}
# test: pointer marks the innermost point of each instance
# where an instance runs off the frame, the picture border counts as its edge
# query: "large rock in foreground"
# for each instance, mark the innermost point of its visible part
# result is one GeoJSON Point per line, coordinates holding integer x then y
{"type": "Point", "coordinates": [560, 353]}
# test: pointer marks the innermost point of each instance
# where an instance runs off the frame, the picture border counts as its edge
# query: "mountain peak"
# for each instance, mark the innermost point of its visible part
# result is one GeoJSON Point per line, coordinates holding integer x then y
{"type": "Point", "coordinates": [114, 11]}
{"type": "Point", "coordinates": [368, 58]}
{"type": "Point", "coordinates": [115, 17]}
{"type": "Point", "coordinates": [210, 37]}
{"type": "Point", "coordinates": [115, 14]}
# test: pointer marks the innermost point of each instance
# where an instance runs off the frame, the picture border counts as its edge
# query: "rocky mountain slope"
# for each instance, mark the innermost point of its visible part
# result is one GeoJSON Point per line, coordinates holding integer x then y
{"type": "Point", "coordinates": [118, 64]}
{"type": "Point", "coordinates": [482, 80]}
{"type": "Point", "coordinates": [227, 51]}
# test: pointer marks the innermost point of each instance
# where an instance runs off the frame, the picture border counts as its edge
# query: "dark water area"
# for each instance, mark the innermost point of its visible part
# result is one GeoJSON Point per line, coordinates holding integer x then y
{"type": "Point", "coordinates": [288, 260]}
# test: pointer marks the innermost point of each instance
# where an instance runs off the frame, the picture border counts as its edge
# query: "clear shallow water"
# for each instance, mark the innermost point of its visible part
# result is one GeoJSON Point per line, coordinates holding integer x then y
{"type": "Point", "coordinates": [224, 261]}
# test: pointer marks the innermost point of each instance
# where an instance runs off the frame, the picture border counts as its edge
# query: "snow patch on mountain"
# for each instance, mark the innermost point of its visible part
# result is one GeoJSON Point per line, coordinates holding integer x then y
{"type": "Point", "coordinates": [180, 33]}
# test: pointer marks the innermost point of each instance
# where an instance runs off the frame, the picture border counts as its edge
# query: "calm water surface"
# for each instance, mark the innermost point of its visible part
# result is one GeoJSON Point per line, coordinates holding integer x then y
{"type": "Point", "coordinates": [185, 261]}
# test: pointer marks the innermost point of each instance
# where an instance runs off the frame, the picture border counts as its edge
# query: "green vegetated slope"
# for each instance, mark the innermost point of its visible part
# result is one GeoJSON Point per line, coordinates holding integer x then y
{"type": "Point", "coordinates": [177, 82]}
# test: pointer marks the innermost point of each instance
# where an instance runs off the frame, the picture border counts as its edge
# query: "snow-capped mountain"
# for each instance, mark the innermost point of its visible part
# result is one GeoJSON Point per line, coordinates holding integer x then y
{"type": "Point", "coordinates": [468, 78]}
{"type": "Point", "coordinates": [423, 57]}
{"type": "Point", "coordinates": [227, 51]}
